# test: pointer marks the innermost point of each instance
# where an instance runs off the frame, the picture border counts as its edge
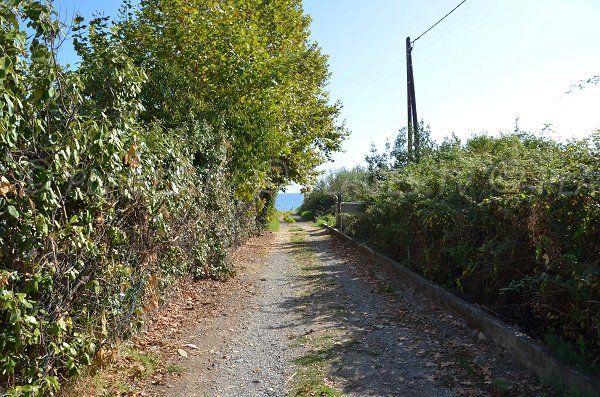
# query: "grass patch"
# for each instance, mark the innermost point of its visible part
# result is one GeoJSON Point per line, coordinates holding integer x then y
{"type": "Point", "coordinates": [310, 379]}
{"type": "Point", "coordinates": [274, 224]}
{"type": "Point", "coordinates": [309, 383]}
{"type": "Point", "coordinates": [314, 365]}
{"type": "Point", "coordinates": [305, 256]}
{"type": "Point", "coordinates": [175, 369]}
{"type": "Point", "coordinates": [325, 220]}
{"type": "Point", "coordinates": [501, 387]}
{"type": "Point", "coordinates": [559, 390]}
{"type": "Point", "coordinates": [144, 364]}
{"type": "Point", "coordinates": [288, 217]}
{"type": "Point", "coordinates": [572, 353]}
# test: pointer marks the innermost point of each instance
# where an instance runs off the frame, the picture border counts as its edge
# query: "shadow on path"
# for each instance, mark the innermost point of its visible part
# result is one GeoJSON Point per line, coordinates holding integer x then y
{"type": "Point", "coordinates": [373, 353]}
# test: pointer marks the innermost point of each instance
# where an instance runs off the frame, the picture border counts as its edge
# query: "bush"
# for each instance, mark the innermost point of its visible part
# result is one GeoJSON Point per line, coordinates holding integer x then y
{"type": "Point", "coordinates": [101, 212]}
{"type": "Point", "coordinates": [325, 220]}
{"type": "Point", "coordinates": [288, 218]}
{"type": "Point", "coordinates": [351, 183]}
{"type": "Point", "coordinates": [142, 166]}
{"type": "Point", "coordinates": [318, 202]}
{"type": "Point", "coordinates": [308, 215]}
{"type": "Point", "coordinates": [512, 223]}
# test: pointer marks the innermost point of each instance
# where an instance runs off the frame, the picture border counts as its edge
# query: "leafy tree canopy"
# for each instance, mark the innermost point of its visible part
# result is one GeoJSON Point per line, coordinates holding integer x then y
{"type": "Point", "coordinates": [249, 69]}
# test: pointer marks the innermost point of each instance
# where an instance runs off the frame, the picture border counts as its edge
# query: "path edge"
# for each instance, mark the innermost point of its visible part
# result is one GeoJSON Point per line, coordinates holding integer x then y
{"type": "Point", "coordinates": [527, 351]}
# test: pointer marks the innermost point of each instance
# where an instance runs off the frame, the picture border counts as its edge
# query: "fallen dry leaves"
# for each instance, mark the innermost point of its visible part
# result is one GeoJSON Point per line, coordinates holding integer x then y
{"type": "Point", "coordinates": [168, 329]}
{"type": "Point", "coordinates": [461, 358]}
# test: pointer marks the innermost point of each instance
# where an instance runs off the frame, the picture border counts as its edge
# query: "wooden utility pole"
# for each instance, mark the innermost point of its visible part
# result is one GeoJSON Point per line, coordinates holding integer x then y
{"type": "Point", "coordinates": [413, 120]}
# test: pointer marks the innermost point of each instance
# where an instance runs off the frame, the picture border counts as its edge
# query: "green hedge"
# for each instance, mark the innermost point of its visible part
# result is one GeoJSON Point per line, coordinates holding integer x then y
{"type": "Point", "coordinates": [308, 215]}
{"type": "Point", "coordinates": [512, 223]}
{"type": "Point", "coordinates": [139, 167]}
{"type": "Point", "coordinates": [318, 202]}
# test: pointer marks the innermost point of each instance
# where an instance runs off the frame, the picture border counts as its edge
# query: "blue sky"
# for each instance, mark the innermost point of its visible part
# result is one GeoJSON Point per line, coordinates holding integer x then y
{"type": "Point", "coordinates": [488, 63]}
{"type": "Point", "coordinates": [485, 65]}
{"type": "Point", "coordinates": [88, 9]}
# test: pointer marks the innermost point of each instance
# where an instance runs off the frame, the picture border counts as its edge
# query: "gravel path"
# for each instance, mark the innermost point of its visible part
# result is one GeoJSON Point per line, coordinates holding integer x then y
{"type": "Point", "coordinates": [314, 305]}
{"type": "Point", "coordinates": [257, 360]}
{"type": "Point", "coordinates": [245, 351]}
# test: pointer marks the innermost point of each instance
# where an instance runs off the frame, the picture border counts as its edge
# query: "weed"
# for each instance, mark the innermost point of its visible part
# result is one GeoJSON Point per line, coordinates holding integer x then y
{"type": "Point", "coordinates": [288, 217]}
{"type": "Point", "coordinates": [129, 365]}
{"type": "Point", "coordinates": [274, 224]}
{"type": "Point", "coordinates": [175, 369]}
{"type": "Point", "coordinates": [147, 363]}
{"type": "Point", "coordinates": [501, 387]}
{"type": "Point", "coordinates": [325, 220]}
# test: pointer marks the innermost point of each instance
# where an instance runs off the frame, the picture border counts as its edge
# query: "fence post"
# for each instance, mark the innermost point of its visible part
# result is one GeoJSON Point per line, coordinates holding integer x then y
{"type": "Point", "coordinates": [338, 212]}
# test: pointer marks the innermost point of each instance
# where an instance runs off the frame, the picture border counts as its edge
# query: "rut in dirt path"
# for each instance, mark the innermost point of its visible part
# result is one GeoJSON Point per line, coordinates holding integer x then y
{"type": "Point", "coordinates": [322, 321]}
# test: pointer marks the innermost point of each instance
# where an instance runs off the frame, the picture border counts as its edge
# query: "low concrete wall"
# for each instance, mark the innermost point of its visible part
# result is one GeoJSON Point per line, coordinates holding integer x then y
{"type": "Point", "coordinates": [528, 352]}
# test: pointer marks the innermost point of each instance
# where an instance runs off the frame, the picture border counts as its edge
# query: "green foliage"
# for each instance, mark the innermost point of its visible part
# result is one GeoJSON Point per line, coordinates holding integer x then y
{"type": "Point", "coordinates": [325, 220]}
{"type": "Point", "coordinates": [318, 202]}
{"type": "Point", "coordinates": [307, 215]}
{"type": "Point", "coordinates": [274, 224]}
{"type": "Point", "coordinates": [142, 166]}
{"type": "Point", "coordinates": [288, 217]}
{"type": "Point", "coordinates": [570, 352]}
{"type": "Point", "coordinates": [248, 69]}
{"type": "Point", "coordinates": [508, 222]}
{"type": "Point", "coordinates": [397, 156]}
{"type": "Point", "coordinates": [351, 183]}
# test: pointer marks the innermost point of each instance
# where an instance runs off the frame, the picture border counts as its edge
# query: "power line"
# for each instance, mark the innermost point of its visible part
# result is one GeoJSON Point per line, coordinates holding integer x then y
{"type": "Point", "coordinates": [435, 24]}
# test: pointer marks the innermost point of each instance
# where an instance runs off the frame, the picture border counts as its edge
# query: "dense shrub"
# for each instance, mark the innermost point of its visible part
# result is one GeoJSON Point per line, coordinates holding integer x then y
{"type": "Point", "coordinates": [288, 218]}
{"type": "Point", "coordinates": [114, 184]}
{"type": "Point", "coordinates": [351, 183]}
{"type": "Point", "coordinates": [509, 222]}
{"type": "Point", "coordinates": [325, 220]}
{"type": "Point", "coordinates": [317, 202]}
{"type": "Point", "coordinates": [308, 215]}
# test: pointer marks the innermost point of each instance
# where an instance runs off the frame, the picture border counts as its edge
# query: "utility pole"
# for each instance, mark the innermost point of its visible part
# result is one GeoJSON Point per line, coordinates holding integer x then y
{"type": "Point", "coordinates": [414, 139]}
{"type": "Point", "coordinates": [413, 121]}
{"type": "Point", "coordinates": [409, 128]}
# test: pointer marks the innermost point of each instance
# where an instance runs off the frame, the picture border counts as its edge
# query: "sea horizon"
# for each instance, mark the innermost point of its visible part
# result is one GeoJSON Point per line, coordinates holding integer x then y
{"type": "Point", "coordinates": [287, 201]}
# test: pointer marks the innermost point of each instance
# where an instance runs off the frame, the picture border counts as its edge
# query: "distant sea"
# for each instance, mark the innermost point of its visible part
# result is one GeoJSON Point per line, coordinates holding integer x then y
{"type": "Point", "coordinates": [288, 201]}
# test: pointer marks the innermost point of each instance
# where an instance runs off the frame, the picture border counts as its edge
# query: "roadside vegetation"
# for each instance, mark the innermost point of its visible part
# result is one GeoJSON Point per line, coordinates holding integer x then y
{"type": "Point", "coordinates": [288, 217]}
{"type": "Point", "coordinates": [119, 373]}
{"type": "Point", "coordinates": [511, 222]}
{"type": "Point", "coordinates": [142, 164]}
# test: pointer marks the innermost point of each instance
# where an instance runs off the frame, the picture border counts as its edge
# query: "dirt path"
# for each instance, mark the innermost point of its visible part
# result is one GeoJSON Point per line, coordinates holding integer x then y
{"type": "Point", "coordinates": [308, 316]}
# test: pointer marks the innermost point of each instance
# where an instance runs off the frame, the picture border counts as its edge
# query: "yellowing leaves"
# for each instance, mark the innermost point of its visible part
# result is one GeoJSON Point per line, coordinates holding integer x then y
{"type": "Point", "coordinates": [189, 10]}
{"type": "Point", "coordinates": [6, 187]}
{"type": "Point", "coordinates": [132, 158]}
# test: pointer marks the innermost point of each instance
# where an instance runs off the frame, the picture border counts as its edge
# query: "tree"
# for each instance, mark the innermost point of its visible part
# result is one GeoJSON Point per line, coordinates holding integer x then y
{"type": "Point", "coordinates": [585, 83]}
{"type": "Point", "coordinates": [248, 69]}
{"type": "Point", "coordinates": [397, 156]}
